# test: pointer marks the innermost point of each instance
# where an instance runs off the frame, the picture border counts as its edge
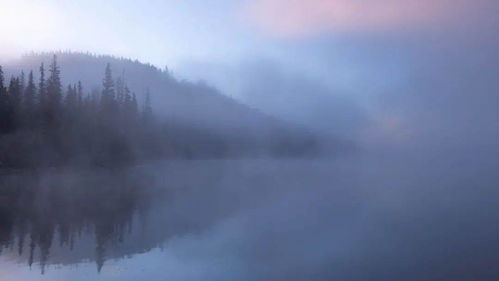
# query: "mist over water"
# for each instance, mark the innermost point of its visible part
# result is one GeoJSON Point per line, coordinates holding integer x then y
{"type": "Point", "coordinates": [364, 216]}
{"type": "Point", "coordinates": [416, 200]}
{"type": "Point", "coordinates": [331, 140]}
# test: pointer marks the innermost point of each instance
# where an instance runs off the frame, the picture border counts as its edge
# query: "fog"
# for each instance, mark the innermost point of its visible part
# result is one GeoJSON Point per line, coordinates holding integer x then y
{"type": "Point", "coordinates": [354, 218]}
{"type": "Point", "coordinates": [299, 141]}
{"type": "Point", "coordinates": [393, 90]}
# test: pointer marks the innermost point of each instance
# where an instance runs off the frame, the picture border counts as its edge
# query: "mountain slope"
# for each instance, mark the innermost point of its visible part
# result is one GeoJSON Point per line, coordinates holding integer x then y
{"type": "Point", "coordinates": [188, 109]}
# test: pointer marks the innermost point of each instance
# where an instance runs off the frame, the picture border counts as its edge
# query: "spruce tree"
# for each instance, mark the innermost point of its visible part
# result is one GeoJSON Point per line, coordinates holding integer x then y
{"type": "Point", "coordinates": [127, 106]}
{"type": "Point", "coordinates": [54, 93]}
{"type": "Point", "coordinates": [30, 95]}
{"type": "Point", "coordinates": [71, 99]}
{"type": "Point", "coordinates": [22, 82]}
{"type": "Point", "coordinates": [2, 81]}
{"type": "Point", "coordinates": [15, 96]}
{"type": "Point", "coordinates": [79, 93]}
{"type": "Point", "coordinates": [14, 103]}
{"type": "Point", "coordinates": [29, 101]}
{"type": "Point", "coordinates": [135, 107]}
{"type": "Point", "coordinates": [120, 91]}
{"type": "Point", "coordinates": [147, 109]}
{"type": "Point", "coordinates": [54, 88]}
{"type": "Point", "coordinates": [42, 90]}
{"type": "Point", "coordinates": [108, 94]}
{"type": "Point", "coordinates": [3, 104]}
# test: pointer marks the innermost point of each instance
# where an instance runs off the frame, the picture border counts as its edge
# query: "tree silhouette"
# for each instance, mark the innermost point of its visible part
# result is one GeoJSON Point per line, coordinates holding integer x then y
{"type": "Point", "coordinates": [108, 98]}
{"type": "Point", "coordinates": [54, 95]}
{"type": "Point", "coordinates": [42, 90]}
{"type": "Point", "coordinates": [42, 126]}
{"type": "Point", "coordinates": [29, 102]}
{"type": "Point", "coordinates": [4, 104]}
{"type": "Point", "coordinates": [147, 110]}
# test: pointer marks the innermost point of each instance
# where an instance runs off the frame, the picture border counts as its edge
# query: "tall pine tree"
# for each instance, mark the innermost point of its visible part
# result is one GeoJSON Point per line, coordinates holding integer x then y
{"type": "Point", "coordinates": [15, 99]}
{"type": "Point", "coordinates": [29, 101]}
{"type": "Point", "coordinates": [42, 87]}
{"type": "Point", "coordinates": [108, 98]}
{"type": "Point", "coordinates": [147, 109]}
{"type": "Point", "coordinates": [54, 94]}
{"type": "Point", "coordinates": [3, 104]}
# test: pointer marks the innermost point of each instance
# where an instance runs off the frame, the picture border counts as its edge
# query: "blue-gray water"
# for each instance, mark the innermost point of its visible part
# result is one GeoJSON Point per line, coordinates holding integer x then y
{"type": "Point", "coordinates": [411, 217]}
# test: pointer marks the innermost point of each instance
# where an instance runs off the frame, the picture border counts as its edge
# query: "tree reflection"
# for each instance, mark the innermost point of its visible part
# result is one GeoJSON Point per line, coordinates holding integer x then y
{"type": "Point", "coordinates": [38, 210]}
{"type": "Point", "coordinates": [63, 216]}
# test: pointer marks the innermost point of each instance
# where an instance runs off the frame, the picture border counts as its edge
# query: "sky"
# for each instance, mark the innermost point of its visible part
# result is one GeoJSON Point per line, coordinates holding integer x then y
{"type": "Point", "coordinates": [171, 31]}
{"type": "Point", "coordinates": [337, 65]}
{"type": "Point", "coordinates": [158, 32]}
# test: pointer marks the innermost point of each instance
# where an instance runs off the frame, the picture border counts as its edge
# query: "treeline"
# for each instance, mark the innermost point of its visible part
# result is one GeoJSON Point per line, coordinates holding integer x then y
{"type": "Point", "coordinates": [42, 124]}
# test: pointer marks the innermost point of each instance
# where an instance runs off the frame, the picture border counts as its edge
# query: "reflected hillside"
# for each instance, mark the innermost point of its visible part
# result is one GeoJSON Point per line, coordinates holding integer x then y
{"type": "Point", "coordinates": [67, 216]}
{"type": "Point", "coordinates": [43, 212]}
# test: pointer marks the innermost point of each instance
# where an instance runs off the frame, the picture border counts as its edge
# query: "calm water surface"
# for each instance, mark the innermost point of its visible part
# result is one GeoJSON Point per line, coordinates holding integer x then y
{"type": "Point", "coordinates": [358, 218]}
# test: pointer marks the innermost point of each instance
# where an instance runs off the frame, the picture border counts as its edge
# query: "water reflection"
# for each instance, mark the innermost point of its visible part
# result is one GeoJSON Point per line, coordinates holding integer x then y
{"type": "Point", "coordinates": [73, 216]}
{"type": "Point", "coordinates": [44, 216]}
{"type": "Point", "coordinates": [351, 219]}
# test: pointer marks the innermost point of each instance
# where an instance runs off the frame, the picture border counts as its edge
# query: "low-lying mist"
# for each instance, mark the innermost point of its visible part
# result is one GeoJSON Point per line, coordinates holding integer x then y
{"type": "Point", "coordinates": [415, 201]}
{"type": "Point", "coordinates": [354, 218]}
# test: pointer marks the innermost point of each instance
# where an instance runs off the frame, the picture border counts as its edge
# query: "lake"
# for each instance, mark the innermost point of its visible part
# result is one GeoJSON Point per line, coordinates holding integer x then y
{"type": "Point", "coordinates": [362, 217]}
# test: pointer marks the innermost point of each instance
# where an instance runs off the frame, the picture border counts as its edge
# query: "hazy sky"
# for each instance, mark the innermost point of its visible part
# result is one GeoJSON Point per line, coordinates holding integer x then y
{"type": "Point", "coordinates": [153, 31]}
{"type": "Point", "coordinates": [162, 32]}
{"type": "Point", "coordinates": [392, 60]}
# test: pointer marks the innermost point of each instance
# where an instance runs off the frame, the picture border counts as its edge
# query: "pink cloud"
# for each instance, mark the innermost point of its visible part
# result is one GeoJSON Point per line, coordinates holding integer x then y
{"type": "Point", "coordinates": [303, 17]}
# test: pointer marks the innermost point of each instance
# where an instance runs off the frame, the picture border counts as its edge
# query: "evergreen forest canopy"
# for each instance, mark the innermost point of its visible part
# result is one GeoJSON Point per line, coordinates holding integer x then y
{"type": "Point", "coordinates": [42, 124]}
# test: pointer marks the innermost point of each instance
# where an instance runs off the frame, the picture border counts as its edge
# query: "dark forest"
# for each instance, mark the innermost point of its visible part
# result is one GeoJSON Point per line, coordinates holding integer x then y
{"type": "Point", "coordinates": [43, 123]}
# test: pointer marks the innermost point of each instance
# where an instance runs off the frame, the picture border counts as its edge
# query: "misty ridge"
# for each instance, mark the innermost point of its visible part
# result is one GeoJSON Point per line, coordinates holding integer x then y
{"type": "Point", "coordinates": [118, 111]}
{"type": "Point", "coordinates": [249, 140]}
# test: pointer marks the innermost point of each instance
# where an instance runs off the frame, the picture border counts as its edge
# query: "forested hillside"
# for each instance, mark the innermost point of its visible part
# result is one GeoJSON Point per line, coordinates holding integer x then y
{"type": "Point", "coordinates": [193, 103]}
{"type": "Point", "coordinates": [43, 123]}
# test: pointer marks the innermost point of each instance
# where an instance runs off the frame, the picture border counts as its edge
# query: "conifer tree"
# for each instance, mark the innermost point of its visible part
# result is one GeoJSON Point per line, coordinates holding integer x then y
{"type": "Point", "coordinates": [108, 94]}
{"type": "Point", "coordinates": [30, 95]}
{"type": "Point", "coordinates": [127, 106]}
{"type": "Point", "coordinates": [2, 81]}
{"type": "Point", "coordinates": [71, 99]}
{"type": "Point", "coordinates": [3, 103]}
{"type": "Point", "coordinates": [29, 101]}
{"type": "Point", "coordinates": [22, 83]}
{"type": "Point", "coordinates": [14, 103]}
{"type": "Point", "coordinates": [135, 106]}
{"type": "Point", "coordinates": [54, 94]}
{"type": "Point", "coordinates": [79, 93]}
{"type": "Point", "coordinates": [15, 96]}
{"type": "Point", "coordinates": [147, 109]}
{"type": "Point", "coordinates": [120, 91]}
{"type": "Point", "coordinates": [54, 87]}
{"type": "Point", "coordinates": [42, 90]}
